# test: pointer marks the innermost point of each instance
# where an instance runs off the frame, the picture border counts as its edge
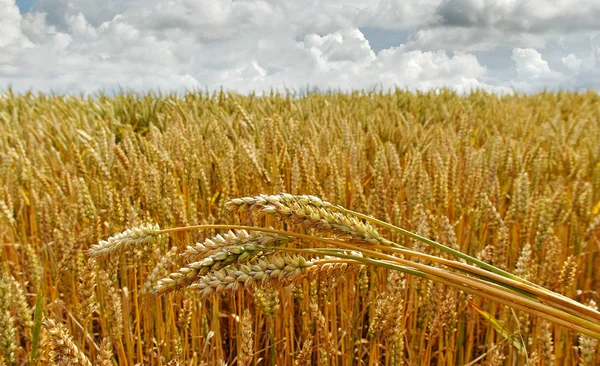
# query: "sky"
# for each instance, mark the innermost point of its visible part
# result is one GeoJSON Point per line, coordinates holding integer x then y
{"type": "Point", "coordinates": [247, 46]}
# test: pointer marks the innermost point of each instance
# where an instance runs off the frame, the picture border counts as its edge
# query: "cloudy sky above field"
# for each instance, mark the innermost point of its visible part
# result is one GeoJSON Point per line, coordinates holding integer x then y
{"type": "Point", "coordinates": [244, 45]}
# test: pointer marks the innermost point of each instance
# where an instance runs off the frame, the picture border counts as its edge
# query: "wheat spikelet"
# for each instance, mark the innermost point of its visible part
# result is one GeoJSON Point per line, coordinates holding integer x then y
{"type": "Point", "coordinates": [388, 312]}
{"type": "Point", "coordinates": [21, 307]}
{"type": "Point", "coordinates": [304, 356]}
{"type": "Point", "coordinates": [112, 304]}
{"type": "Point", "coordinates": [7, 213]}
{"type": "Point", "coordinates": [326, 347]}
{"type": "Point", "coordinates": [274, 270]}
{"type": "Point", "coordinates": [137, 236]}
{"type": "Point", "coordinates": [122, 157]}
{"type": "Point", "coordinates": [330, 272]}
{"type": "Point", "coordinates": [448, 316]}
{"type": "Point", "coordinates": [593, 227]}
{"type": "Point", "coordinates": [267, 300]}
{"type": "Point", "coordinates": [161, 269]}
{"type": "Point", "coordinates": [546, 344]}
{"type": "Point", "coordinates": [568, 275]}
{"type": "Point", "coordinates": [311, 212]}
{"type": "Point", "coordinates": [588, 345]}
{"type": "Point", "coordinates": [235, 238]}
{"type": "Point", "coordinates": [86, 289]}
{"type": "Point", "coordinates": [64, 351]}
{"type": "Point", "coordinates": [246, 356]}
{"type": "Point", "coordinates": [8, 342]}
{"type": "Point", "coordinates": [251, 203]}
{"type": "Point", "coordinates": [497, 357]}
{"type": "Point", "coordinates": [234, 247]}
{"type": "Point", "coordinates": [104, 357]}
{"type": "Point", "coordinates": [525, 266]}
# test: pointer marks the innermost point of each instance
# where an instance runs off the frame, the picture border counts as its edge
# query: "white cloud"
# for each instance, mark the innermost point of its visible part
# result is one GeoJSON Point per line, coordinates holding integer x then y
{"type": "Point", "coordinates": [530, 63]}
{"type": "Point", "coordinates": [534, 73]}
{"type": "Point", "coordinates": [73, 45]}
{"type": "Point", "coordinates": [10, 23]}
{"type": "Point", "coordinates": [344, 60]}
{"type": "Point", "coordinates": [572, 62]}
{"type": "Point", "coordinates": [347, 45]}
{"type": "Point", "coordinates": [429, 69]}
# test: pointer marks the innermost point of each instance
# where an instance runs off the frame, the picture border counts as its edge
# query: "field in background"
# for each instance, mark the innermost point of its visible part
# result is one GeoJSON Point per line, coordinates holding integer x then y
{"type": "Point", "coordinates": [514, 180]}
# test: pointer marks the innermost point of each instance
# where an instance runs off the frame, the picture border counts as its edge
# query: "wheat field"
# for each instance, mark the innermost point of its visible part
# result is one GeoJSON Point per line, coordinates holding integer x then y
{"type": "Point", "coordinates": [511, 180]}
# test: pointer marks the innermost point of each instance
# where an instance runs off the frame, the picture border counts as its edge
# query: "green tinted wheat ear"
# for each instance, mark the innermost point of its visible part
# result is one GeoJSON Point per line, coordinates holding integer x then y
{"type": "Point", "coordinates": [274, 270]}
{"type": "Point", "coordinates": [237, 238]}
{"type": "Point", "coordinates": [267, 300]}
{"type": "Point", "coordinates": [234, 247]}
{"type": "Point", "coordinates": [140, 235]}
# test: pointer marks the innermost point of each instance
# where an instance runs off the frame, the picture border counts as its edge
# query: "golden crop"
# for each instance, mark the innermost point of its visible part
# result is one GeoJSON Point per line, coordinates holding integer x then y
{"type": "Point", "coordinates": [89, 188]}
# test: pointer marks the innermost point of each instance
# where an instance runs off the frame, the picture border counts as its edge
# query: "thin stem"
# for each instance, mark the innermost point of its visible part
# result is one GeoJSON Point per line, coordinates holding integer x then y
{"type": "Point", "coordinates": [494, 285]}
{"type": "Point", "coordinates": [540, 290]}
{"type": "Point", "coordinates": [536, 290]}
{"type": "Point", "coordinates": [482, 289]}
{"type": "Point", "coordinates": [571, 307]}
{"type": "Point", "coordinates": [433, 243]}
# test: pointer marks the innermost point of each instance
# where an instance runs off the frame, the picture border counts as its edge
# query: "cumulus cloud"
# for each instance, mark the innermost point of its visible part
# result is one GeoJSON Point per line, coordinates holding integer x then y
{"type": "Point", "coordinates": [345, 60]}
{"type": "Point", "coordinates": [10, 22]}
{"type": "Point", "coordinates": [572, 62]}
{"type": "Point", "coordinates": [533, 72]}
{"type": "Point", "coordinates": [530, 63]}
{"type": "Point", "coordinates": [347, 45]}
{"type": "Point", "coordinates": [245, 45]}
